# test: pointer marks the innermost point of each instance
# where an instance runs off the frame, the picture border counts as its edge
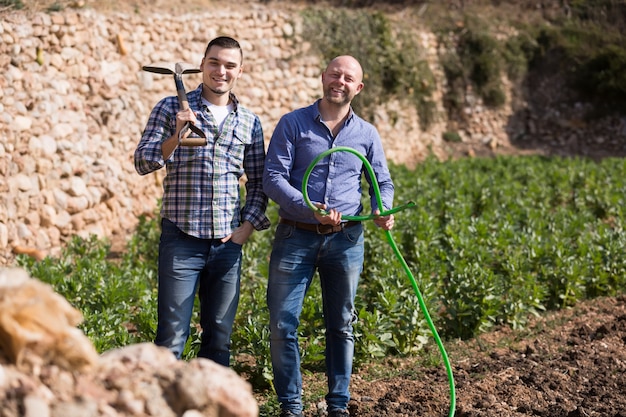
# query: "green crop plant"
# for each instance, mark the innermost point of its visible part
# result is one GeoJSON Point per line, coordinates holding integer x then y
{"type": "Point", "coordinates": [116, 301]}
{"type": "Point", "coordinates": [491, 243]}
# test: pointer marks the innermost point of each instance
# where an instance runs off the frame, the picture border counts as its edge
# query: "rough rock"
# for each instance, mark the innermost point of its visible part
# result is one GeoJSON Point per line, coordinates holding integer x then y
{"type": "Point", "coordinates": [48, 368]}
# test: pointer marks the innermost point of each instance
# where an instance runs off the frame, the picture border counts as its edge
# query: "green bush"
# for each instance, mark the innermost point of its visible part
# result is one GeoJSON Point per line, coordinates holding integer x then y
{"type": "Point", "coordinates": [452, 137]}
{"type": "Point", "coordinates": [591, 58]}
{"type": "Point", "coordinates": [604, 74]}
{"type": "Point", "coordinates": [12, 4]}
{"type": "Point", "coordinates": [519, 53]}
{"type": "Point", "coordinates": [586, 47]}
{"type": "Point", "coordinates": [606, 12]}
{"type": "Point", "coordinates": [475, 60]}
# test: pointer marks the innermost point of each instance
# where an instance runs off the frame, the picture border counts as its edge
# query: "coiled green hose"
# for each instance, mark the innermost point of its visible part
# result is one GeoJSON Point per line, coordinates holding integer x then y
{"type": "Point", "coordinates": [393, 245]}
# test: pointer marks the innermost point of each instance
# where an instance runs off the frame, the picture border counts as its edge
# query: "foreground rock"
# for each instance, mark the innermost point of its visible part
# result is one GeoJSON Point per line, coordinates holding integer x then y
{"type": "Point", "coordinates": [48, 368]}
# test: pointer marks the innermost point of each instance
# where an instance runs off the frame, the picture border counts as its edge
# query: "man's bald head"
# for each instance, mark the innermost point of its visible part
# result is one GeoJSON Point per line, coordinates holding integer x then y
{"type": "Point", "coordinates": [342, 80]}
{"type": "Point", "coordinates": [348, 62]}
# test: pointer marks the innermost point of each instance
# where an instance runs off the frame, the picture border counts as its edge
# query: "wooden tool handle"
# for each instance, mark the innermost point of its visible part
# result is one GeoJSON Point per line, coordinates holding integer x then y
{"type": "Point", "coordinates": [180, 90]}
{"type": "Point", "coordinates": [200, 138]}
{"type": "Point", "coordinates": [193, 142]}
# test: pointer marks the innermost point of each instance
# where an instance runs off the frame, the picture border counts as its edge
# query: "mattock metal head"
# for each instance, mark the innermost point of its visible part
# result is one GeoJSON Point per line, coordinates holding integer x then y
{"type": "Point", "coordinates": [177, 69]}
{"type": "Point", "coordinates": [172, 68]}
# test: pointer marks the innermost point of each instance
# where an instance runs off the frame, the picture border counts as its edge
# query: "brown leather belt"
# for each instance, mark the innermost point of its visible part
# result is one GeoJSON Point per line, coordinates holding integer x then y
{"type": "Point", "coordinates": [320, 229]}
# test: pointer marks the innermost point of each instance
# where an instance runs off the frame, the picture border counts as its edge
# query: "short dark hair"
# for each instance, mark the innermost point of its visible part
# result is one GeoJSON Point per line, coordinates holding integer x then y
{"type": "Point", "coordinates": [224, 42]}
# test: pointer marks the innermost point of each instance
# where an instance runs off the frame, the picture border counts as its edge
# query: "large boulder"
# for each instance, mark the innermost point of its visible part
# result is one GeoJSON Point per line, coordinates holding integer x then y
{"type": "Point", "coordinates": [49, 368]}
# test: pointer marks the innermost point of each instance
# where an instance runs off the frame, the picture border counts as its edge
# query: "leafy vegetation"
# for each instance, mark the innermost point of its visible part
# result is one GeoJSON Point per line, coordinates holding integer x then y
{"type": "Point", "coordinates": [392, 61]}
{"type": "Point", "coordinates": [490, 242]}
{"type": "Point", "coordinates": [592, 59]}
{"type": "Point", "coordinates": [478, 61]}
{"type": "Point", "coordinates": [12, 4]}
{"type": "Point", "coordinates": [584, 42]}
{"type": "Point", "coordinates": [480, 45]}
{"type": "Point", "coordinates": [116, 299]}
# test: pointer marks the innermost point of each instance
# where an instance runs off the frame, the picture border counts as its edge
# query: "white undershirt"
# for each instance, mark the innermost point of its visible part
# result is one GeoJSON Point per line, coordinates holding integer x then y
{"type": "Point", "coordinates": [220, 113]}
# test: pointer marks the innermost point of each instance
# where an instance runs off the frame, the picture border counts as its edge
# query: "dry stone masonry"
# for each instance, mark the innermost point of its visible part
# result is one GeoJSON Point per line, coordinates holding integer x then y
{"type": "Point", "coordinates": [74, 101]}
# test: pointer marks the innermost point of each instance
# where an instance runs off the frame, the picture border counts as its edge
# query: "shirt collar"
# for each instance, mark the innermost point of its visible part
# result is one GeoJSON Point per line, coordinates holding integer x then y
{"type": "Point", "coordinates": [318, 115]}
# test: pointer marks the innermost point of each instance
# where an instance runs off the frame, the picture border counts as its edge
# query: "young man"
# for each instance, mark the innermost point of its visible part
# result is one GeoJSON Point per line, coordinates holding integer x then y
{"type": "Point", "coordinates": [307, 241]}
{"type": "Point", "coordinates": [203, 222]}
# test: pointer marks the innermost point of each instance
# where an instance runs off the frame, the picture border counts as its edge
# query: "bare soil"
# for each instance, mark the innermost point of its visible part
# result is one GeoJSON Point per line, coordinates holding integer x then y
{"type": "Point", "coordinates": [569, 363]}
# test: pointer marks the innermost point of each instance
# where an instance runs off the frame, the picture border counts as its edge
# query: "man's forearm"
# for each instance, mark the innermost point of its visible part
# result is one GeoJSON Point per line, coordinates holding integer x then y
{"type": "Point", "coordinates": [169, 146]}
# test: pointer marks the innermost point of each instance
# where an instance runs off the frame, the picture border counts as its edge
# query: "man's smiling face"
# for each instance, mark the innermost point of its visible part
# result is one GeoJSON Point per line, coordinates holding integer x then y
{"type": "Point", "coordinates": [221, 67]}
{"type": "Point", "coordinates": [342, 80]}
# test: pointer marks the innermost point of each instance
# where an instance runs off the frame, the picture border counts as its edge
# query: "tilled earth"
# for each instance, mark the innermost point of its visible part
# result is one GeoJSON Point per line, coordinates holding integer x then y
{"type": "Point", "coordinates": [570, 363]}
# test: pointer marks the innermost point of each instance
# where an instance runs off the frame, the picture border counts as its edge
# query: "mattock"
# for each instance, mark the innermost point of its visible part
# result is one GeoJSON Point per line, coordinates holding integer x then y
{"type": "Point", "coordinates": [197, 136]}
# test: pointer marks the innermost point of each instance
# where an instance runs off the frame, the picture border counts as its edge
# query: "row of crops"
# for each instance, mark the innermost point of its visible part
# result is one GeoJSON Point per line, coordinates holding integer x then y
{"type": "Point", "coordinates": [489, 241]}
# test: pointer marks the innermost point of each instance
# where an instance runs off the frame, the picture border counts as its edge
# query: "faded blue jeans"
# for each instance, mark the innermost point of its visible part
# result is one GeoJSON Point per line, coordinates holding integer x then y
{"type": "Point", "coordinates": [296, 255]}
{"type": "Point", "coordinates": [213, 268]}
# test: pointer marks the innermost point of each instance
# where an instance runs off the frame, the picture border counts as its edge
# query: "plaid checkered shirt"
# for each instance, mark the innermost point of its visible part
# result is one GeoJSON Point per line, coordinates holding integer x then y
{"type": "Point", "coordinates": [201, 191]}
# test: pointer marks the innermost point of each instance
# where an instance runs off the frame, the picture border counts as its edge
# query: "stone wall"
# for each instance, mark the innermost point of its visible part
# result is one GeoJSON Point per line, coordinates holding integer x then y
{"type": "Point", "coordinates": [74, 101]}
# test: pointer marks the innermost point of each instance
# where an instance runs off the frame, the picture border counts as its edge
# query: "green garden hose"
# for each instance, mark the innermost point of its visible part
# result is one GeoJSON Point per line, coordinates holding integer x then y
{"type": "Point", "coordinates": [376, 188]}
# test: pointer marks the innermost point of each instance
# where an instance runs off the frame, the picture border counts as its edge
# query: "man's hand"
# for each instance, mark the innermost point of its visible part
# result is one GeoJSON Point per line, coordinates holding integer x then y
{"type": "Point", "coordinates": [332, 216]}
{"type": "Point", "coordinates": [182, 118]}
{"type": "Point", "coordinates": [384, 222]}
{"type": "Point", "coordinates": [241, 234]}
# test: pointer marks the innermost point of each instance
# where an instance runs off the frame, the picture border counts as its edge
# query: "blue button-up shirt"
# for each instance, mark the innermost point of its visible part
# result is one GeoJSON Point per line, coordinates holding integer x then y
{"type": "Point", "coordinates": [299, 137]}
{"type": "Point", "coordinates": [201, 189]}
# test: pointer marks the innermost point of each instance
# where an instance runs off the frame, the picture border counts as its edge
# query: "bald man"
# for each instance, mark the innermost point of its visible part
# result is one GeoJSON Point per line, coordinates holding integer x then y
{"type": "Point", "coordinates": [307, 241]}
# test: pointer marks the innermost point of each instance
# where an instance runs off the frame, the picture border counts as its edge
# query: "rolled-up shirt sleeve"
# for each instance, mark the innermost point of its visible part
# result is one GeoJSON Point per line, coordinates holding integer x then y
{"type": "Point", "coordinates": [161, 125]}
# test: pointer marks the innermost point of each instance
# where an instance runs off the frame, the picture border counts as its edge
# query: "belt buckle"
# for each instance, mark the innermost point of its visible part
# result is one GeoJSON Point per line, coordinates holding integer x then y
{"type": "Point", "coordinates": [331, 229]}
{"type": "Point", "coordinates": [322, 232]}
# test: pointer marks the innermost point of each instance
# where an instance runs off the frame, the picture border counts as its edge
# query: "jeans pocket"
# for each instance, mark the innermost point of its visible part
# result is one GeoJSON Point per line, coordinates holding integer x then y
{"type": "Point", "coordinates": [284, 231]}
{"type": "Point", "coordinates": [354, 234]}
{"type": "Point", "coordinates": [230, 242]}
{"type": "Point", "coordinates": [169, 231]}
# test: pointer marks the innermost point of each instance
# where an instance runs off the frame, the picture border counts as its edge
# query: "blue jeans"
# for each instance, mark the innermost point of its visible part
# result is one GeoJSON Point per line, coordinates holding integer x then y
{"type": "Point", "coordinates": [296, 255]}
{"type": "Point", "coordinates": [213, 268]}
